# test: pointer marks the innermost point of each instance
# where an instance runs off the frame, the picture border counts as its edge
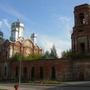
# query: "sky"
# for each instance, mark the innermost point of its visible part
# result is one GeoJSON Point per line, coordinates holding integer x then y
{"type": "Point", "coordinates": [51, 20]}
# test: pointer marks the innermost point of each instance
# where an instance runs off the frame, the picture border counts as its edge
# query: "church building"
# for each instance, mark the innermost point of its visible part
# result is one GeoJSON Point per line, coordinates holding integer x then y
{"type": "Point", "coordinates": [81, 30]}
{"type": "Point", "coordinates": [17, 43]}
{"type": "Point", "coordinates": [60, 69]}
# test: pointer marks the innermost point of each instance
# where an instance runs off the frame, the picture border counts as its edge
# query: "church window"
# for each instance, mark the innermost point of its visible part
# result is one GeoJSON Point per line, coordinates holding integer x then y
{"type": "Point", "coordinates": [82, 47]}
{"type": "Point", "coordinates": [82, 18]}
{"type": "Point", "coordinates": [17, 73]}
{"type": "Point", "coordinates": [80, 30]}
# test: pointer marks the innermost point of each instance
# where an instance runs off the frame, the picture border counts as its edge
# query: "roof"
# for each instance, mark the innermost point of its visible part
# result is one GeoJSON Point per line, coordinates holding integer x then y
{"type": "Point", "coordinates": [85, 5]}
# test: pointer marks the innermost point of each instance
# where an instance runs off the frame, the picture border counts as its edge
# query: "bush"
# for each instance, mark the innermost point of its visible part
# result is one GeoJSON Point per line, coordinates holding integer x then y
{"type": "Point", "coordinates": [75, 55]}
{"type": "Point", "coordinates": [30, 57]}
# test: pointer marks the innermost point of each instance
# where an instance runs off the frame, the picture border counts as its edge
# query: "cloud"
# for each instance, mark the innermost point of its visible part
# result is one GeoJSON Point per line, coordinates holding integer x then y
{"type": "Point", "coordinates": [65, 24]}
{"type": "Point", "coordinates": [0, 24]}
{"type": "Point", "coordinates": [5, 27]}
{"type": "Point", "coordinates": [47, 42]}
{"type": "Point", "coordinates": [66, 21]}
{"type": "Point", "coordinates": [6, 23]}
{"type": "Point", "coordinates": [61, 42]}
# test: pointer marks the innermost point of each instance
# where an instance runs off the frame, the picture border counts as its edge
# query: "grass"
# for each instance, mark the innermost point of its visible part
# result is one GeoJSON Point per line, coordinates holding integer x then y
{"type": "Point", "coordinates": [46, 82]}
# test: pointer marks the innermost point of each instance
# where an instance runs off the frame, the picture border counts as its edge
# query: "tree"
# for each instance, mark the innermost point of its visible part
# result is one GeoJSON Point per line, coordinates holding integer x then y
{"type": "Point", "coordinates": [50, 55]}
{"type": "Point", "coordinates": [46, 55]}
{"type": "Point", "coordinates": [75, 55]}
{"type": "Point", "coordinates": [33, 57]}
{"type": "Point", "coordinates": [17, 56]}
{"type": "Point", "coordinates": [53, 53]}
{"type": "Point", "coordinates": [67, 53]}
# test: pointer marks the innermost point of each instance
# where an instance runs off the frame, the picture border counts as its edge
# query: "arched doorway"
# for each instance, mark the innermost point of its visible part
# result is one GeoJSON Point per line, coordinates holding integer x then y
{"type": "Point", "coordinates": [41, 73]}
{"type": "Point", "coordinates": [81, 76]}
{"type": "Point", "coordinates": [25, 73]}
{"type": "Point", "coordinates": [33, 73]}
{"type": "Point", "coordinates": [53, 73]}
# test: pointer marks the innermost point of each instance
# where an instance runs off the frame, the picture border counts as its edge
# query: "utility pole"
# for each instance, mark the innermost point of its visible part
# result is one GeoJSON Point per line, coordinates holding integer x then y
{"type": "Point", "coordinates": [19, 73]}
{"type": "Point", "coordinates": [20, 58]}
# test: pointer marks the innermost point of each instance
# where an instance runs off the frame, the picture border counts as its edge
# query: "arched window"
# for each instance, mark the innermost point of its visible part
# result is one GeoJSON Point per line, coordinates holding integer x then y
{"type": "Point", "coordinates": [32, 73]}
{"type": "Point", "coordinates": [53, 73]}
{"type": "Point", "coordinates": [82, 18]}
{"type": "Point", "coordinates": [41, 73]}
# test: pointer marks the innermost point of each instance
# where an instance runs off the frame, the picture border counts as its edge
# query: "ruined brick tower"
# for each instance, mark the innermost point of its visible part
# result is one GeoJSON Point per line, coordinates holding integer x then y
{"type": "Point", "coordinates": [81, 30]}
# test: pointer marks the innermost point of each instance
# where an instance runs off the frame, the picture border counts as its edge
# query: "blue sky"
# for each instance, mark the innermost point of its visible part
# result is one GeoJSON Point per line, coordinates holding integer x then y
{"type": "Point", "coordinates": [51, 20]}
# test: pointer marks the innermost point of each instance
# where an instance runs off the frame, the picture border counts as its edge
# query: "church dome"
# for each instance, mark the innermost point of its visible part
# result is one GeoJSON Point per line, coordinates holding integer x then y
{"type": "Point", "coordinates": [17, 29]}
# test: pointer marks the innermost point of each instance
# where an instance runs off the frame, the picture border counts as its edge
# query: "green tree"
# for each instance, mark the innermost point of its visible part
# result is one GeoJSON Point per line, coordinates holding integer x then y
{"type": "Point", "coordinates": [17, 56]}
{"type": "Point", "coordinates": [46, 55]}
{"type": "Point", "coordinates": [33, 57]}
{"type": "Point", "coordinates": [50, 55]}
{"type": "Point", "coordinates": [53, 53]}
{"type": "Point", "coordinates": [67, 53]}
{"type": "Point", "coordinates": [75, 55]}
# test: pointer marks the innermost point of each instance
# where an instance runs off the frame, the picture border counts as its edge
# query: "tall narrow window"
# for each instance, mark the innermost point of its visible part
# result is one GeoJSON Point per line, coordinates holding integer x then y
{"type": "Point", "coordinates": [16, 74]}
{"type": "Point", "coordinates": [53, 73]}
{"type": "Point", "coordinates": [25, 72]}
{"type": "Point", "coordinates": [82, 47]}
{"type": "Point", "coordinates": [32, 73]}
{"type": "Point", "coordinates": [5, 71]}
{"type": "Point", "coordinates": [41, 73]}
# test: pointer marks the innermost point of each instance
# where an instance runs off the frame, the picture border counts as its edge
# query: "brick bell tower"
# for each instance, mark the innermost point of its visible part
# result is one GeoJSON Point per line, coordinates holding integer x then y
{"type": "Point", "coordinates": [81, 30]}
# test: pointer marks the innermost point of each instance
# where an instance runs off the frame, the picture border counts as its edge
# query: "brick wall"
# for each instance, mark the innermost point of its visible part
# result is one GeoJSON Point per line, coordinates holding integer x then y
{"type": "Point", "coordinates": [51, 69]}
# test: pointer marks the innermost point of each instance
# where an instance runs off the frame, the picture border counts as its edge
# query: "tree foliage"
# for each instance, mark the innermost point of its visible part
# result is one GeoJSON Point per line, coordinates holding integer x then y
{"type": "Point", "coordinates": [47, 55]}
{"type": "Point", "coordinates": [75, 55]}
{"type": "Point", "coordinates": [33, 57]}
{"type": "Point", "coordinates": [17, 56]}
{"type": "Point", "coordinates": [67, 53]}
{"type": "Point", "coordinates": [53, 52]}
{"type": "Point", "coordinates": [51, 55]}
{"type": "Point", "coordinates": [30, 57]}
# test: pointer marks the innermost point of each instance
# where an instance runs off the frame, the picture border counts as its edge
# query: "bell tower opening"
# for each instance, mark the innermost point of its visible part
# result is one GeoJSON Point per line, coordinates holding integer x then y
{"type": "Point", "coordinates": [82, 18]}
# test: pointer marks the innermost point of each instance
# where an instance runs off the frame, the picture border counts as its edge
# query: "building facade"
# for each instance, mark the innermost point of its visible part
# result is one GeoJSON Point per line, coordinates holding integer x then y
{"type": "Point", "coordinates": [81, 42]}
{"type": "Point", "coordinates": [81, 30]}
{"type": "Point", "coordinates": [63, 69]}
